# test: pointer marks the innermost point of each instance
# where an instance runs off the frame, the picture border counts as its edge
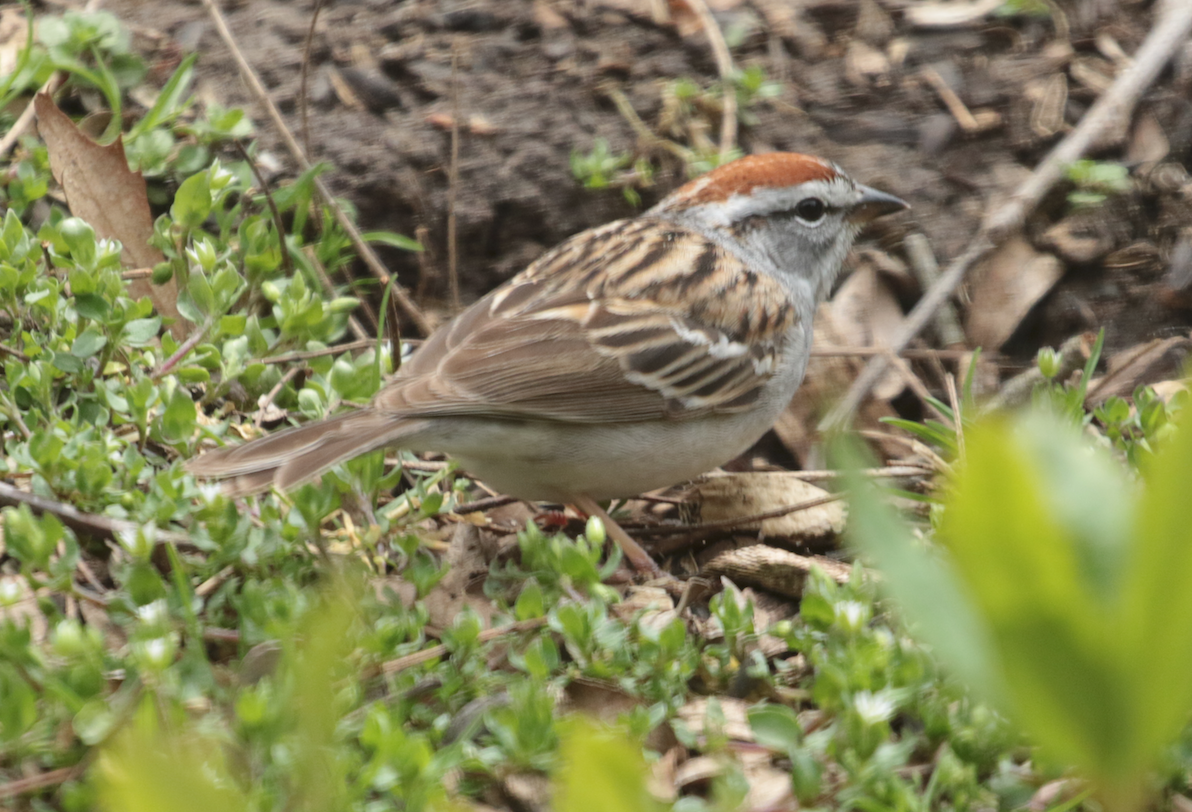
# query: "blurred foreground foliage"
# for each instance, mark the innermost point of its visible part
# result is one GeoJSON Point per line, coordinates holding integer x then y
{"type": "Point", "coordinates": [279, 654]}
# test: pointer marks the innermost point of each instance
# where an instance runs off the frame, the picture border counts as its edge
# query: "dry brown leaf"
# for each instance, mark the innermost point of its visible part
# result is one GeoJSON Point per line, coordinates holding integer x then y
{"type": "Point", "coordinates": [768, 610]}
{"type": "Point", "coordinates": [769, 787]}
{"type": "Point", "coordinates": [698, 770]}
{"type": "Point", "coordinates": [1166, 390]}
{"type": "Point", "coordinates": [655, 605]}
{"type": "Point", "coordinates": [1148, 144]}
{"type": "Point", "coordinates": [1007, 285]}
{"type": "Point", "coordinates": [101, 189]}
{"type": "Point", "coordinates": [734, 711]}
{"type": "Point", "coordinates": [730, 496]}
{"type": "Point", "coordinates": [460, 588]}
{"type": "Point", "coordinates": [529, 792]}
{"type": "Point", "coordinates": [13, 31]}
{"type": "Point", "coordinates": [661, 781]}
{"type": "Point", "coordinates": [600, 700]}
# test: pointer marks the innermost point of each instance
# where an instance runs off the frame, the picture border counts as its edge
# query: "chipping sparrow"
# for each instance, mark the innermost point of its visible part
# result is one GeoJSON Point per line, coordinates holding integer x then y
{"type": "Point", "coordinates": [633, 356]}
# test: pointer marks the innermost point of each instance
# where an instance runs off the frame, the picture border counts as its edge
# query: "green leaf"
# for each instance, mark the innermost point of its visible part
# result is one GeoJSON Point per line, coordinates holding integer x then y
{"type": "Point", "coordinates": [192, 201]}
{"type": "Point", "coordinates": [144, 771]}
{"type": "Point", "coordinates": [233, 325]}
{"type": "Point", "coordinates": [922, 581]}
{"type": "Point", "coordinates": [1156, 597]}
{"type": "Point", "coordinates": [393, 240]}
{"type": "Point", "coordinates": [140, 332]}
{"type": "Point", "coordinates": [67, 362]}
{"type": "Point", "coordinates": [775, 726]}
{"type": "Point", "coordinates": [530, 602]}
{"type": "Point", "coordinates": [1030, 577]}
{"type": "Point", "coordinates": [178, 420]}
{"type": "Point", "coordinates": [91, 306]}
{"type": "Point", "coordinates": [88, 342]}
{"type": "Point", "coordinates": [18, 711]}
{"type": "Point", "coordinates": [602, 771]}
{"type": "Point", "coordinates": [169, 99]}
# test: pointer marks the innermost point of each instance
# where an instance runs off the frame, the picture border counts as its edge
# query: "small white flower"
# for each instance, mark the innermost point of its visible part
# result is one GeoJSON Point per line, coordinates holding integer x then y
{"type": "Point", "coordinates": [10, 591]}
{"type": "Point", "coordinates": [155, 613]}
{"type": "Point", "coordinates": [156, 650]}
{"type": "Point", "coordinates": [138, 541]}
{"type": "Point", "coordinates": [874, 708]}
{"type": "Point", "coordinates": [220, 177]}
{"type": "Point", "coordinates": [210, 491]}
{"type": "Point", "coordinates": [157, 653]}
{"type": "Point", "coordinates": [852, 615]}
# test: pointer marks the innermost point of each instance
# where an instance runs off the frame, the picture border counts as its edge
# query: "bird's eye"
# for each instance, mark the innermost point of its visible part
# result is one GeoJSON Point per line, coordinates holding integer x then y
{"type": "Point", "coordinates": [810, 209]}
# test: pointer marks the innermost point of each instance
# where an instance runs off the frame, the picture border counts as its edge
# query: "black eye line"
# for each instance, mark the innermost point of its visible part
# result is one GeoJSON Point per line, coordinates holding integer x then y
{"type": "Point", "coordinates": [828, 209]}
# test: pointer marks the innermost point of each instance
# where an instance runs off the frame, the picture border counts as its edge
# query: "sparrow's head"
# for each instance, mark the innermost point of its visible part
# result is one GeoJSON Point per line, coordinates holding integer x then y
{"type": "Point", "coordinates": [794, 214]}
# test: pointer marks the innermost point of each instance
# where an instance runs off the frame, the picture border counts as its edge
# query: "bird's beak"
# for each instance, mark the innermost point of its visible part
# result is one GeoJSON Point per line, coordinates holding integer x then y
{"type": "Point", "coordinates": [873, 203]}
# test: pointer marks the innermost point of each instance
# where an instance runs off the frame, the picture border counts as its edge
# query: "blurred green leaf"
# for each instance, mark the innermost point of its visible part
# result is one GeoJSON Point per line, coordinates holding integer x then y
{"type": "Point", "coordinates": [595, 757]}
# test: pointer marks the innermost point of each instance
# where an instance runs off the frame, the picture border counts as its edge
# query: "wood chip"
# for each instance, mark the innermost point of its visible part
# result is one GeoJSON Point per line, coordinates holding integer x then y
{"type": "Point", "coordinates": [950, 14]}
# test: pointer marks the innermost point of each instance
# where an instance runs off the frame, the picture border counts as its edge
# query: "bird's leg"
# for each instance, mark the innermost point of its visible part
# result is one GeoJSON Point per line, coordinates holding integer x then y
{"type": "Point", "coordinates": [638, 558]}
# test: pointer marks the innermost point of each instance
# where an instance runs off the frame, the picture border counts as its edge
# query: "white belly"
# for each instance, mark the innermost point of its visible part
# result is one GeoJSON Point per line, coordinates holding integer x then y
{"type": "Point", "coordinates": [553, 462]}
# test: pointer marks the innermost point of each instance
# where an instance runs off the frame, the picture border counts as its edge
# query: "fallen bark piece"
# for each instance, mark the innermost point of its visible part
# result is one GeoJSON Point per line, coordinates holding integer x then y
{"type": "Point", "coordinates": [779, 571]}
{"type": "Point", "coordinates": [722, 497]}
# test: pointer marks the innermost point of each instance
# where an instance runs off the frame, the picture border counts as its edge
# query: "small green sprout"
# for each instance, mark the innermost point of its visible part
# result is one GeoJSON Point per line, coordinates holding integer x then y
{"type": "Point", "coordinates": [1095, 181]}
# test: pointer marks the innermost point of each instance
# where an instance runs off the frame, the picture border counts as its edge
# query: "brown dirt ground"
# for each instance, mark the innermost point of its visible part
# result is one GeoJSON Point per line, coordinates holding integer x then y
{"type": "Point", "coordinates": [528, 82]}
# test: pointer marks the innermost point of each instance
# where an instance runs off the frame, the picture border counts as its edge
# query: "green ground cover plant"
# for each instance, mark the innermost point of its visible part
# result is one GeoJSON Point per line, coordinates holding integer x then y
{"type": "Point", "coordinates": [180, 650]}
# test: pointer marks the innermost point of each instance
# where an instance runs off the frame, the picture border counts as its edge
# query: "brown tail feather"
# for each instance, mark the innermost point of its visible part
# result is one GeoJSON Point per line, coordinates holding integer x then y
{"type": "Point", "coordinates": [297, 455]}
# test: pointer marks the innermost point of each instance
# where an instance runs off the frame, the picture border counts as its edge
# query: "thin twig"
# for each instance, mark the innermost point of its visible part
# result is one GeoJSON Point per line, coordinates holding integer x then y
{"type": "Point", "coordinates": [434, 652]}
{"type": "Point", "coordinates": [370, 258]}
{"type": "Point", "coordinates": [306, 355]}
{"type": "Point", "coordinates": [927, 271]}
{"type": "Point", "coordinates": [88, 524]}
{"type": "Point", "coordinates": [1168, 33]}
{"type": "Point", "coordinates": [637, 557]}
{"type": "Point", "coordinates": [724, 64]}
{"type": "Point", "coordinates": [487, 503]}
{"type": "Point", "coordinates": [886, 472]}
{"type": "Point", "coordinates": [287, 262]}
{"type": "Point", "coordinates": [453, 183]}
{"type": "Point", "coordinates": [912, 354]}
{"type": "Point", "coordinates": [192, 341]}
{"type": "Point", "coordinates": [273, 393]}
{"type": "Point", "coordinates": [916, 445]}
{"type": "Point", "coordinates": [917, 386]}
{"type": "Point", "coordinates": [353, 323]}
{"type": "Point", "coordinates": [303, 101]}
{"type": "Point", "coordinates": [17, 354]}
{"type": "Point", "coordinates": [35, 783]}
{"type": "Point", "coordinates": [957, 414]}
{"type": "Point", "coordinates": [644, 134]}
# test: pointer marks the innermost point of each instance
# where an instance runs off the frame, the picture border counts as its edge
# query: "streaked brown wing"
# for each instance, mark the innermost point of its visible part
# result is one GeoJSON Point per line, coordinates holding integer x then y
{"type": "Point", "coordinates": [629, 322]}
